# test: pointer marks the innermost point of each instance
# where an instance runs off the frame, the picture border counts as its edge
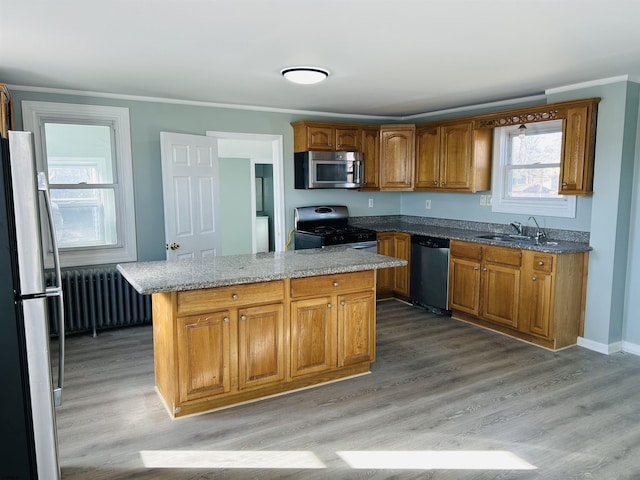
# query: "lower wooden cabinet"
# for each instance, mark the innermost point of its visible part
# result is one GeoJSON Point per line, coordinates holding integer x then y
{"type": "Point", "coordinates": [532, 295]}
{"type": "Point", "coordinates": [220, 346]}
{"type": "Point", "coordinates": [394, 281]}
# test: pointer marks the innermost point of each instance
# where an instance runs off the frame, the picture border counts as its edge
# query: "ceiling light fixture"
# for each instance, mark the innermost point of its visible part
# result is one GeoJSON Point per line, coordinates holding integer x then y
{"type": "Point", "coordinates": [522, 130]}
{"type": "Point", "coordinates": [305, 75]}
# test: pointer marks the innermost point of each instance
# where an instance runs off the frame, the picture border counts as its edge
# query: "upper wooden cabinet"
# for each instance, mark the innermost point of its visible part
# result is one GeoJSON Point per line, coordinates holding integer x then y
{"type": "Point", "coordinates": [370, 147]}
{"type": "Point", "coordinates": [453, 157]}
{"type": "Point", "coordinates": [578, 137]}
{"type": "Point", "coordinates": [325, 136]}
{"type": "Point", "coordinates": [397, 153]}
{"type": "Point", "coordinates": [6, 111]}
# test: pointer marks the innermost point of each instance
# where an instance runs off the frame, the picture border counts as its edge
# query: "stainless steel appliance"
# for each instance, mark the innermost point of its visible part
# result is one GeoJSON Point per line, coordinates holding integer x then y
{"type": "Point", "coordinates": [28, 394]}
{"type": "Point", "coordinates": [322, 226]}
{"type": "Point", "coordinates": [328, 170]}
{"type": "Point", "coordinates": [430, 272]}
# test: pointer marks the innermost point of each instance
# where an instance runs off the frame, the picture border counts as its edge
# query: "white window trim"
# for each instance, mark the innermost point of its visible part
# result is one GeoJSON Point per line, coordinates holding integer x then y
{"type": "Point", "coordinates": [34, 115]}
{"type": "Point", "coordinates": [565, 206]}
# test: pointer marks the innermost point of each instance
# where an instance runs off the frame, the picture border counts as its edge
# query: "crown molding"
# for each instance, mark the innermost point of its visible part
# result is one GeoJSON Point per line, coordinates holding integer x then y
{"type": "Point", "coordinates": [591, 83]}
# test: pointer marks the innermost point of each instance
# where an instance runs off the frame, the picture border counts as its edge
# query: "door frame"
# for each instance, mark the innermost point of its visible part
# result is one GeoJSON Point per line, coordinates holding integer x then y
{"type": "Point", "coordinates": [277, 161]}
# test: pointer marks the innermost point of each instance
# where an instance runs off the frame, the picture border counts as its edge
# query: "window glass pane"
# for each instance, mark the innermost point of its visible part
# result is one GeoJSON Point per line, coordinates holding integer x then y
{"type": "Point", "coordinates": [84, 217]}
{"type": "Point", "coordinates": [533, 182]}
{"type": "Point", "coordinates": [536, 149]}
{"type": "Point", "coordinates": [79, 153]}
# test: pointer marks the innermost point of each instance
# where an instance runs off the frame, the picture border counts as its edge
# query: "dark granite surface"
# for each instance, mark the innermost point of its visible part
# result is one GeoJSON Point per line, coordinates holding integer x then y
{"type": "Point", "coordinates": [557, 241]}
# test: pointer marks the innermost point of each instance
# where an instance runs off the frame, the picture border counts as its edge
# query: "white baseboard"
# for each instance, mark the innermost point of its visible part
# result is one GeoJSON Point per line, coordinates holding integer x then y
{"type": "Point", "coordinates": [610, 348]}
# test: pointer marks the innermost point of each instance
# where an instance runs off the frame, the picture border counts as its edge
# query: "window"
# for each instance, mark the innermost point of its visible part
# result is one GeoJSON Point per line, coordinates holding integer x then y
{"type": "Point", "coordinates": [526, 170]}
{"type": "Point", "coordinates": [86, 153]}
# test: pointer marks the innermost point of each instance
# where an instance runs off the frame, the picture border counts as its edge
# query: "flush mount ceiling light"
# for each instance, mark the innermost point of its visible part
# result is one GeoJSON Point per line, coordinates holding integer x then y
{"type": "Point", "coordinates": [305, 75]}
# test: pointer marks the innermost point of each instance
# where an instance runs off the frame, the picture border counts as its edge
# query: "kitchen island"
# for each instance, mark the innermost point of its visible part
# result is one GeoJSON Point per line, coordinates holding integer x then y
{"type": "Point", "coordinates": [233, 329]}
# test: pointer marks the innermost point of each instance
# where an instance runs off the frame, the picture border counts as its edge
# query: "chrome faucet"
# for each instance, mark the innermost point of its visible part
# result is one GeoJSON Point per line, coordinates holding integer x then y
{"type": "Point", "coordinates": [517, 226]}
{"type": "Point", "coordinates": [540, 235]}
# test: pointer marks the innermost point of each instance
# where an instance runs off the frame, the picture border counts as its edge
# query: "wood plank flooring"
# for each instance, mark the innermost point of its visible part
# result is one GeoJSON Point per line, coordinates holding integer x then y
{"type": "Point", "coordinates": [440, 391]}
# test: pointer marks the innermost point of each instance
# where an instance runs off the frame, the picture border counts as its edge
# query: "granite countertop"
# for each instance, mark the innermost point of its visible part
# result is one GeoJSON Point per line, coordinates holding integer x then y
{"type": "Point", "coordinates": [180, 275]}
{"type": "Point", "coordinates": [472, 235]}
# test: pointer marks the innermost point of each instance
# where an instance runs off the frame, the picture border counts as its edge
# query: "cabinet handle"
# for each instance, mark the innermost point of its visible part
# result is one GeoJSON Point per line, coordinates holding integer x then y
{"type": "Point", "coordinates": [335, 284]}
{"type": "Point", "coordinates": [540, 263]}
{"type": "Point", "coordinates": [234, 296]}
{"type": "Point", "coordinates": [243, 317]}
{"type": "Point", "coordinates": [225, 319]}
{"type": "Point", "coordinates": [329, 305]}
{"type": "Point", "coordinates": [533, 279]}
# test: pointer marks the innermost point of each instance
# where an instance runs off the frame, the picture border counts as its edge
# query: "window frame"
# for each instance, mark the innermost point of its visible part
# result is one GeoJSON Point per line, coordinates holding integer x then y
{"type": "Point", "coordinates": [564, 206]}
{"type": "Point", "coordinates": [35, 115]}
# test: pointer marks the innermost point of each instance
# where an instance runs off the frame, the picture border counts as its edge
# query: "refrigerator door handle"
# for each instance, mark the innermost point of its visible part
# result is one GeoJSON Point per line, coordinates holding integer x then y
{"type": "Point", "coordinates": [56, 290]}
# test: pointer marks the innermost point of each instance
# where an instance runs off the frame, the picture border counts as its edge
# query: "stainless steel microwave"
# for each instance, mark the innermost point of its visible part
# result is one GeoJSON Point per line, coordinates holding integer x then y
{"type": "Point", "coordinates": [318, 169]}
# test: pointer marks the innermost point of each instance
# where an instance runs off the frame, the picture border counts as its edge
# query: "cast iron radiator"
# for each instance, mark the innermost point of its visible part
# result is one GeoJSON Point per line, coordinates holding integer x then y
{"type": "Point", "coordinates": [98, 298]}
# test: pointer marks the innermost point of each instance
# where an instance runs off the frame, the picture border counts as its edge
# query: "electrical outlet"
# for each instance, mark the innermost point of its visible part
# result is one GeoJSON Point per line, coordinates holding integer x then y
{"type": "Point", "coordinates": [483, 200]}
{"type": "Point", "coordinates": [489, 199]}
{"type": "Point", "coordinates": [371, 203]}
{"type": "Point", "coordinates": [427, 204]}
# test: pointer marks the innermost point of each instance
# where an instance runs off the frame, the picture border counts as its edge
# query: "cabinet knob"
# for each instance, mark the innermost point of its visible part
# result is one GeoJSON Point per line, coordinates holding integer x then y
{"type": "Point", "coordinates": [225, 319]}
{"type": "Point", "coordinates": [343, 303]}
{"type": "Point", "coordinates": [443, 184]}
{"type": "Point", "coordinates": [335, 284]}
{"type": "Point", "coordinates": [564, 184]}
{"type": "Point", "coordinates": [243, 317]}
{"type": "Point", "coordinates": [540, 263]}
{"type": "Point", "coordinates": [484, 269]}
{"type": "Point", "coordinates": [533, 279]}
{"type": "Point", "coordinates": [435, 182]}
{"type": "Point", "coordinates": [329, 305]}
{"type": "Point", "coordinates": [234, 296]}
{"type": "Point", "coordinates": [476, 268]}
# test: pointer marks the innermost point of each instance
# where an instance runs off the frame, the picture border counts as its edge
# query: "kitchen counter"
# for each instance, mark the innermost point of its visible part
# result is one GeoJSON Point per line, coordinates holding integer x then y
{"type": "Point", "coordinates": [471, 235]}
{"type": "Point", "coordinates": [174, 276]}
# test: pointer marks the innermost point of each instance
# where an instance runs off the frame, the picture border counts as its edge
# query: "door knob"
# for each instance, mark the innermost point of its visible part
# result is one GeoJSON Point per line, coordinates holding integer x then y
{"type": "Point", "coordinates": [172, 246]}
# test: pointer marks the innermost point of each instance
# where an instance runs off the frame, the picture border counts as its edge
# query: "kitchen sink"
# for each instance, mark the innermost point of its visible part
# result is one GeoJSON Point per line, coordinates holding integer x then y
{"type": "Point", "coordinates": [508, 238]}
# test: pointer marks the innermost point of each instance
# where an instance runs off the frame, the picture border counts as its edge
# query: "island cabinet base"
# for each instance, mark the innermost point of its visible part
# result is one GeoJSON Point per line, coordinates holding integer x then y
{"type": "Point", "coordinates": [222, 346]}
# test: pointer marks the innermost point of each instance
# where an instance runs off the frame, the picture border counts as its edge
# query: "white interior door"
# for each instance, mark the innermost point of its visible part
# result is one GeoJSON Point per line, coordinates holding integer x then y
{"type": "Point", "coordinates": [191, 194]}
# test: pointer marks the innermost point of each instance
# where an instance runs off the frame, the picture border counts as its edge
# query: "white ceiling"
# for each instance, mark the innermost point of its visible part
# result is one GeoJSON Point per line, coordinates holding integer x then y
{"type": "Point", "coordinates": [387, 57]}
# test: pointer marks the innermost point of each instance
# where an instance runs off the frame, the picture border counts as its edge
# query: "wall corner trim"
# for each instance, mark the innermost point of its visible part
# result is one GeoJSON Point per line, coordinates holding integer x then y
{"type": "Point", "coordinates": [591, 83]}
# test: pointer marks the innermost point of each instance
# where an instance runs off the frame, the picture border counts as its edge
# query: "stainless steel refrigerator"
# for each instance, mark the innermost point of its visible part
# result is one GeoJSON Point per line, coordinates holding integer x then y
{"type": "Point", "coordinates": [27, 412]}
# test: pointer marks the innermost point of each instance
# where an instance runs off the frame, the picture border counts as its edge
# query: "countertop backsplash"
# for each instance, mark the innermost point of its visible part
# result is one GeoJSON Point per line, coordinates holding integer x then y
{"type": "Point", "coordinates": [552, 234]}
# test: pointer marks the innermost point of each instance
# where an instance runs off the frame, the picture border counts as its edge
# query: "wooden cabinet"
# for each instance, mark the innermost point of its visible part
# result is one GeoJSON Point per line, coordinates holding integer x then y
{"type": "Point", "coordinates": [453, 157]}
{"type": "Point", "coordinates": [397, 154]}
{"type": "Point", "coordinates": [484, 281]}
{"type": "Point", "coordinates": [394, 281]}
{"type": "Point", "coordinates": [370, 146]}
{"type": "Point", "coordinates": [532, 295]}
{"type": "Point", "coordinates": [578, 150]}
{"type": "Point", "coordinates": [331, 322]}
{"type": "Point", "coordinates": [6, 111]}
{"type": "Point", "coordinates": [309, 135]}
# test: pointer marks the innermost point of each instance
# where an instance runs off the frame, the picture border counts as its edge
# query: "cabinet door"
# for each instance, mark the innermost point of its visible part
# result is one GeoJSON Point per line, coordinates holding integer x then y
{"type": "Point", "coordinates": [455, 157]}
{"type": "Point", "coordinates": [428, 157]}
{"type": "Point", "coordinates": [397, 153]}
{"type": "Point", "coordinates": [356, 330]}
{"type": "Point", "coordinates": [500, 294]}
{"type": "Point", "coordinates": [402, 249]}
{"type": "Point", "coordinates": [572, 168]}
{"type": "Point", "coordinates": [260, 345]}
{"type": "Point", "coordinates": [312, 336]}
{"type": "Point", "coordinates": [464, 285]}
{"type": "Point", "coordinates": [386, 276]}
{"type": "Point", "coordinates": [203, 355]}
{"type": "Point", "coordinates": [347, 139]}
{"type": "Point", "coordinates": [320, 137]}
{"type": "Point", "coordinates": [535, 304]}
{"type": "Point", "coordinates": [370, 144]}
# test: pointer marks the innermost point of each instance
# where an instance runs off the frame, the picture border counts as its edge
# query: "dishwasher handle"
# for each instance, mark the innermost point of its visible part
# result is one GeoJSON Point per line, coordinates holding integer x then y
{"type": "Point", "coordinates": [430, 242]}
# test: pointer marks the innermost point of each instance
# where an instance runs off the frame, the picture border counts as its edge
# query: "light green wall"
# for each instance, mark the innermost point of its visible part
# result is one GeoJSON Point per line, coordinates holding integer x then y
{"type": "Point", "coordinates": [235, 205]}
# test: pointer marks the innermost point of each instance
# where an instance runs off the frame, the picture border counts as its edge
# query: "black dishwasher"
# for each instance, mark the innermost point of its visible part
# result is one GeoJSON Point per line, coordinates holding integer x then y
{"type": "Point", "coordinates": [430, 272]}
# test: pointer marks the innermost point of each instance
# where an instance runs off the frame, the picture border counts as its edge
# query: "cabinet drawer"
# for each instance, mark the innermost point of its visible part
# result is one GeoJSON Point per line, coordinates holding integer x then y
{"type": "Point", "coordinates": [542, 262]}
{"type": "Point", "coordinates": [466, 250]}
{"type": "Point", "coordinates": [330, 284]}
{"type": "Point", "coordinates": [504, 256]}
{"type": "Point", "coordinates": [207, 300]}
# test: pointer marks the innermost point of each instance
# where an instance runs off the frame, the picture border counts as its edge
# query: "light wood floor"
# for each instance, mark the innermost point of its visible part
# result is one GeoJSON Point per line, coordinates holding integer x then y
{"type": "Point", "coordinates": [440, 391]}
